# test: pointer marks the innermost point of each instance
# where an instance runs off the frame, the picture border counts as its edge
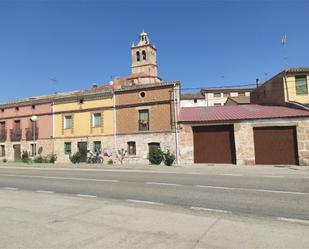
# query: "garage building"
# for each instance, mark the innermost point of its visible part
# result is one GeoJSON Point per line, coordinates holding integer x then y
{"type": "Point", "coordinates": [244, 135]}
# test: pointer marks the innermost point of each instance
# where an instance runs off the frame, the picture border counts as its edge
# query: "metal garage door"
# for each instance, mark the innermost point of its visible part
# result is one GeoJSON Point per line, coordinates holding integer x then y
{"type": "Point", "coordinates": [275, 145]}
{"type": "Point", "coordinates": [214, 144]}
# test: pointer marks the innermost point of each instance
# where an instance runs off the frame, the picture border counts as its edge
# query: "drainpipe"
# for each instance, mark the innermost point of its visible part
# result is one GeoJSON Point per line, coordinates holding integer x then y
{"type": "Point", "coordinates": [176, 123]}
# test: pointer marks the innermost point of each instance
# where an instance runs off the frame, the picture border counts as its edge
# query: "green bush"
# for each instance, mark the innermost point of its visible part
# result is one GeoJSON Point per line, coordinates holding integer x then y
{"type": "Point", "coordinates": [38, 159]}
{"type": "Point", "coordinates": [25, 156]}
{"type": "Point", "coordinates": [168, 158]}
{"type": "Point", "coordinates": [110, 161]}
{"type": "Point", "coordinates": [155, 155]}
{"type": "Point", "coordinates": [76, 158]}
{"type": "Point", "coordinates": [52, 158]}
{"type": "Point", "coordinates": [4, 160]}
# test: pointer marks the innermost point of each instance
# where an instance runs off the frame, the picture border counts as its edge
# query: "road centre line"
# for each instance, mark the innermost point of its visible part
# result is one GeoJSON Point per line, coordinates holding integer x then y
{"type": "Point", "coordinates": [232, 174]}
{"type": "Point", "coordinates": [248, 189]}
{"type": "Point", "coordinates": [210, 210]}
{"type": "Point", "coordinates": [87, 196]}
{"type": "Point", "coordinates": [270, 176]}
{"type": "Point", "coordinates": [9, 188]}
{"type": "Point", "coordinates": [145, 202]}
{"type": "Point", "coordinates": [293, 220]}
{"type": "Point", "coordinates": [45, 191]}
{"type": "Point", "coordinates": [163, 183]}
{"type": "Point", "coordinates": [60, 178]}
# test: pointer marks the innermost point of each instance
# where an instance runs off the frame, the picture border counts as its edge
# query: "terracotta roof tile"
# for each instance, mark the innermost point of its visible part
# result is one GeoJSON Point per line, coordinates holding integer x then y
{"type": "Point", "coordinates": [237, 112]}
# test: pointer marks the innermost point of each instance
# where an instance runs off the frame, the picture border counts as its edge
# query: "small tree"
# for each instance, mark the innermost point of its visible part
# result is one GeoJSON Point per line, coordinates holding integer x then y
{"type": "Point", "coordinates": [155, 155]}
{"type": "Point", "coordinates": [168, 158]}
{"type": "Point", "coordinates": [76, 158]}
{"type": "Point", "coordinates": [121, 155]}
{"type": "Point", "coordinates": [25, 156]}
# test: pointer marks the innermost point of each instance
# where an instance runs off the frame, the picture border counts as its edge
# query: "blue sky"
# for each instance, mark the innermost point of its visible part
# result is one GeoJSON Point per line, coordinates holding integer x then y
{"type": "Point", "coordinates": [199, 43]}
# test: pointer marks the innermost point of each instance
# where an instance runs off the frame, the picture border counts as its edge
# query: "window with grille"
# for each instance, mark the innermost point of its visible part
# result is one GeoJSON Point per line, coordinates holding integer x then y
{"type": "Point", "coordinates": [131, 148]}
{"type": "Point", "coordinates": [67, 148]}
{"type": "Point", "coordinates": [143, 122]}
{"type": "Point", "coordinates": [97, 146]}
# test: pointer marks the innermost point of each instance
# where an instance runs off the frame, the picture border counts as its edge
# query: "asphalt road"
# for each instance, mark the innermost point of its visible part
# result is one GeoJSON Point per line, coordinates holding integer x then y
{"type": "Point", "coordinates": [286, 198]}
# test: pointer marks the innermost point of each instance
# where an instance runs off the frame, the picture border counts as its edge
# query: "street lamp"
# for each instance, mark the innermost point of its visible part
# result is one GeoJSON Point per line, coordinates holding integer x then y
{"type": "Point", "coordinates": [34, 119]}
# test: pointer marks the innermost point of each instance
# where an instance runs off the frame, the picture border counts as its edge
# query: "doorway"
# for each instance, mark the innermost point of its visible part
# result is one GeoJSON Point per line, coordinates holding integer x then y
{"type": "Point", "coordinates": [17, 152]}
{"type": "Point", "coordinates": [82, 149]}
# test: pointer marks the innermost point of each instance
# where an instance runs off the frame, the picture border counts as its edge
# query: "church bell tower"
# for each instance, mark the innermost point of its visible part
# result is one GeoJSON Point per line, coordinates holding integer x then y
{"type": "Point", "coordinates": [144, 58]}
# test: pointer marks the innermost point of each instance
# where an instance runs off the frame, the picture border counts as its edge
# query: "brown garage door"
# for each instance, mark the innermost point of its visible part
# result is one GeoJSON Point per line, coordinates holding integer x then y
{"type": "Point", "coordinates": [275, 145]}
{"type": "Point", "coordinates": [214, 144]}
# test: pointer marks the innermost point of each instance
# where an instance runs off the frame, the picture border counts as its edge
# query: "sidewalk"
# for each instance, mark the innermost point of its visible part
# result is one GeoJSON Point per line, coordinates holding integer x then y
{"type": "Point", "coordinates": [233, 170]}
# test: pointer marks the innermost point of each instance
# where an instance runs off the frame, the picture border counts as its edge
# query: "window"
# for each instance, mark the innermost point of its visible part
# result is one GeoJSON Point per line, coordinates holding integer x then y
{"type": "Point", "coordinates": [143, 122]}
{"type": "Point", "coordinates": [131, 148]}
{"type": "Point", "coordinates": [2, 150]}
{"type": "Point", "coordinates": [17, 108]}
{"type": "Point", "coordinates": [225, 94]}
{"type": "Point", "coordinates": [144, 55]}
{"type": "Point", "coordinates": [195, 100]}
{"type": "Point", "coordinates": [241, 94]}
{"type": "Point", "coordinates": [217, 95]}
{"type": "Point", "coordinates": [2, 110]}
{"type": "Point", "coordinates": [138, 56]}
{"type": "Point", "coordinates": [81, 101]}
{"type": "Point", "coordinates": [96, 120]}
{"type": "Point", "coordinates": [33, 149]}
{"type": "Point", "coordinates": [301, 84]}
{"type": "Point", "coordinates": [67, 148]}
{"type": "Point", "coordinates": [153, 145]}
{"type": "Point", "coordinates": [68, 122]}
{"type": "Point", "coordinates": [97, 146]}
{"type": "Point", "coordinates": [17, 124]}
{"type": "Point", "coordinates": [142, 94]}
{"type": "Point", "coordinates": [33, 107]}
{"type": "Point", "coordinates": [217, 104]}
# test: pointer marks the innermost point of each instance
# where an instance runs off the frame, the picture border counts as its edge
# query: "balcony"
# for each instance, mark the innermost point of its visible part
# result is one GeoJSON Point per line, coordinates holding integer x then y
{"type": "Point", "coordinates": [29, 134]}
{"type": "Point", "coordinates": [15, 134]}
{"type": "Point", "coordinates": [143, 125]}
{"type": "Point", "coordinates": [3, 135]}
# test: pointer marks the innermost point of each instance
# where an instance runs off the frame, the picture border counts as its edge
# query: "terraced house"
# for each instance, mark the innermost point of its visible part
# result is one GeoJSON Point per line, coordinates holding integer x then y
{"type": "Point", "coordinates": [26, 124]}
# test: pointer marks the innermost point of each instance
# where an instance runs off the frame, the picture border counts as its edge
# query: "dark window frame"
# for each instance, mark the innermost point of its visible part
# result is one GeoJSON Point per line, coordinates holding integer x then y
{"type": "Point", "coordinates": [67, 152]}
{"type": "Point", "coordinates": [131, 150]}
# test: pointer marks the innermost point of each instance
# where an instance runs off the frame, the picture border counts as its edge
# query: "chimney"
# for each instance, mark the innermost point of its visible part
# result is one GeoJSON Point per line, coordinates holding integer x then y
{"type": "Point", "coordinates": [257, 81]}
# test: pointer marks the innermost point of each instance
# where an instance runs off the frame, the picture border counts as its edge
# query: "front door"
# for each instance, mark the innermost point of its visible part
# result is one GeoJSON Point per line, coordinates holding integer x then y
{"type": "Point", "coordinates": [17, 151]}
{"type": "Point", "coordinates": [82, 149]}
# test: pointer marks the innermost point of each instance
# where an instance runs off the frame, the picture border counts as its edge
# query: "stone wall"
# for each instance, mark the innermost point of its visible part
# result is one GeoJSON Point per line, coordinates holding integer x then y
{"type": "Point", "coordinates": [44, 145]}
{"type": "Point", "coordinates": [244, 143]}
{"type": "Point", "coordinates": [185, 144]}
{"type": "Point", "coordinates": [166, 140]}
{"type": "Point", "coordinates": [303, 142]}
{"type": "Point", "coordinates": [106, 142]}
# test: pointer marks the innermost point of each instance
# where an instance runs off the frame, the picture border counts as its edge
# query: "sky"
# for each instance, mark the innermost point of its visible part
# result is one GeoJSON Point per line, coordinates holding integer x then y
{"type": "Point", "coordinates": [56, 46]}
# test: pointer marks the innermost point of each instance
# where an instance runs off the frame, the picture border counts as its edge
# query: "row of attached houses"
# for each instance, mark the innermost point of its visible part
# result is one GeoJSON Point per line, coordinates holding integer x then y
{"type": "Point", "coordinates": [268, 124]}
{"type": "Point", "coordinates": [133, 113]}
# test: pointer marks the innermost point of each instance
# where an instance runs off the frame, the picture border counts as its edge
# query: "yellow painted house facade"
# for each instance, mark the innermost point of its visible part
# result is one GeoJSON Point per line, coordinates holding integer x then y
{"type": "Point", "coordinates": [83, 121]}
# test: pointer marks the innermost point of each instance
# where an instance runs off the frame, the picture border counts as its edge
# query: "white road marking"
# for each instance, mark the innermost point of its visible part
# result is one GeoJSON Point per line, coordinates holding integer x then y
{"type": "Point", "coordinates": [211, 210]}
{"type": "Point", "coordinates": [163, 183]}
{"type": "Point", "coordinates": [293, 220]}
{"type": "Point", "coordinates": [231, 175]}
{"type": "Point", "coordinates": [44, 191]}
{"type": "Point", "coordinates": [61, 178]}
{"type": "Point", "coordinates": [145, 202]}
{"type": "Point", "coordinates": [87, 196]}
{"type": "Point", "coordinates": [9, 188]}
{"type": "Point", "coordinates": [251, 189]}
{"type": "Point", "coordinates": [270, 176]}
{"type": "Point", "coordinates": [279, 191]}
